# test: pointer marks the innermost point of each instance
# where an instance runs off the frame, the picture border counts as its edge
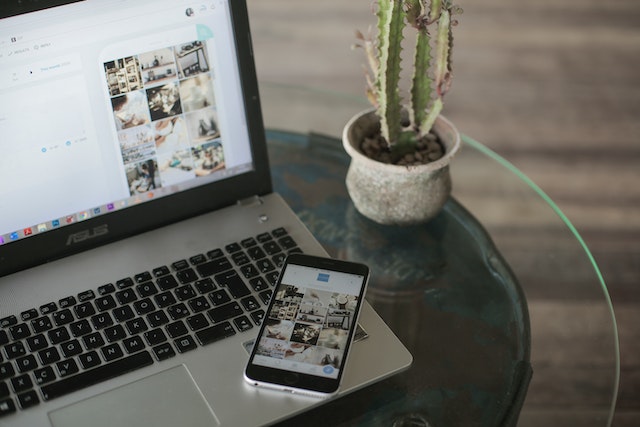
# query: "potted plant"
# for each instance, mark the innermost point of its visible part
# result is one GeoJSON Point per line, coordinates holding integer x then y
{"type": "Point", "coordinates": [400, 152]}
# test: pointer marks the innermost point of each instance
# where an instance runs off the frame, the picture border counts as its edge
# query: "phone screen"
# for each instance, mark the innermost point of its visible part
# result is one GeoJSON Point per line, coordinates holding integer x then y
{"type": "Point", "coordinates": [310, 322]}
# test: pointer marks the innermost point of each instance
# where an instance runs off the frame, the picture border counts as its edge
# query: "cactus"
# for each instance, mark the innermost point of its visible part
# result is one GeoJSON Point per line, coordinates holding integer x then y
{"type": "Point", "coordinates": [433, 21]}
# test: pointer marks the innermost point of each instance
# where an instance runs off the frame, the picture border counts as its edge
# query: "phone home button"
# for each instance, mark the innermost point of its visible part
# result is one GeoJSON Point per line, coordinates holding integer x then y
{"type": "Point", "coordinates": [291, 378]}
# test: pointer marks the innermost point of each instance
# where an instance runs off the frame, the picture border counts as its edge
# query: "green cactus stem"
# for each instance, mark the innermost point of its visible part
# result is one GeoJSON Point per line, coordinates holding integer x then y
{"type": "Point", "coordinates": [390, 24]}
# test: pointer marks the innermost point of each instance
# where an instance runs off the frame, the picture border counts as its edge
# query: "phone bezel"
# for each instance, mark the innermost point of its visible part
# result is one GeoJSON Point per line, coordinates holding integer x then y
{"type": "Point", "coordinates": [296, 382]}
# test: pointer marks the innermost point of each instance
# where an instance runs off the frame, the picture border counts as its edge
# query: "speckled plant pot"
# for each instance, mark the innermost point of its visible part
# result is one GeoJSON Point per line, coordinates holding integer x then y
{"type": "Point", "coordinates": [392, 194]}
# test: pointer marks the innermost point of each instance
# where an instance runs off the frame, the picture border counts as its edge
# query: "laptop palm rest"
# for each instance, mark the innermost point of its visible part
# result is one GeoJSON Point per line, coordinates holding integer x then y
{"type": "Point", "coordinates": [168, 398]}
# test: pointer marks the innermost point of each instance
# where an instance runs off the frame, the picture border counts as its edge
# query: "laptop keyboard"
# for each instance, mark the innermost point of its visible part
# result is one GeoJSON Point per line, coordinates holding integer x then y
{"type": "Point", "coordinates": [101, 333]}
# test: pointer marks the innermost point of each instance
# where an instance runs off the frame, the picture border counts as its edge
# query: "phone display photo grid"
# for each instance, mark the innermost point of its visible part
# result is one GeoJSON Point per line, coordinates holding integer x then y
{"type": "Point", "coordinates": [307, 330]}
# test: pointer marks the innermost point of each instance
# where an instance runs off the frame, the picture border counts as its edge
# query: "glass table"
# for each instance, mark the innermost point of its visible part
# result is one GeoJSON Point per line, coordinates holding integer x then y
{"type": "Point", "coordinates": [498, 298]}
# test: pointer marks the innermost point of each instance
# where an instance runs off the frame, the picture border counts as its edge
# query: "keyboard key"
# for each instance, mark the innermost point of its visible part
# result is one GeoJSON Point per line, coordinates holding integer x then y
{"type": "Point", "coordinates": [4, 391]}
{"type": "Point", "coordinates": [176, 329]}
{"type": "Point", "coordinates": [247, 243]}
{"type": "Point", "coordinates": [112, 352]}
{"type": "Point", "coordinates": [126, 296]}
{"type": "Point", "coordinates": [215, 266]}
{"type": "Point", "coordinates": [264, 237]}
{"type": "Point", "coordinates": [123, 313]}
{"type": "Point", "coordinates": [93, 340]}
{"type": "Point", "coordinates": [167, 282]}
{"type": "Point", "coordinates": [258, 284]}
{"type": "Point", "coordinates": [125, 283]}
{"type": "Point", "coordinates": [185, 292]}
{"type": "Point", "coordinates": [265, 296]}
{"type": "Point", "coordinates": [225, 312]}
{"type": "Point", "coordinates": [199, 304]}
{"type": "Point", "coordinates": [272, 248]}
{"type": "Point", "coordinates": [233, 283]}
{"type": "Point", "coordinates": [205, 286]}
{"type": "Point", "coordinates": [106, 289]}
{"type": "Point", "coordinates": [21, 383]}
{"type": "Point", "coordinates": [142, 277]}
{"type": "Point", "coordinates": [67, 302]}
{"type": "Point", "coordinates": [114, 333]}
{"type": "Point", "coordinates": [161, 271]}
{"type": "Point", "coordinates": [219, 297]}
{"type": "Point", "coordinates": [5, 322]}
{"type": "Point", "coordinates": [7, 407]}
{"type": "Point", "coordinates": [249, 271]}
{"type": "Point", "coordinates": [29, 314]}
{"type": "Point", "coordinates": [71, 348]}
{"type": "Point", "coordinates": [19, 331]}
{"type": "Point", "coordinates": [85, 309]}
{"type": "Point", "coordinates": [179, 265]}
{"type": "Point", "coordinates": [187, 275]}
{"type": "Point", "coordinates": [44, 375]}
{"type": "Point", "coordinates": [215, 333]}
{"type": "Point", "coordinates": [58, 335]}
{"type": "Point", "coordinates": [144, 306]}
{"type": "Point", "coordinates": [178, 311]}
{"type": "Point", "coordinates": [197, 322]}
{"type": "Point", "coordinates": [26, 363]}
{"type": "Point", "coordinates": [63, 317]}
{"type": "Point", "coordinates": [165, 299]}
{"type": "Point", "coordinates": [87, 361]}
{"type": "Point", "coordinates": [80, 328]}
{"type": "Point", "coordinates": [6, 370]}
{"type": "Point", "coordinates": [146, 289]}
{"type": "Point", "coordinates": [48, 308]}
{"type": "Point", "coordinates": [133, 344]}
{"type": "Point", "coordinates": [67, 367]}
{"type": "Point", "coordinates": [240, 258]}
{"type": "Point", "coordinates": [41, 324]}
{"type": "Point", "coordinates": [256, 253]}
{"type": "Point", "coordinates": [185, 344]}
{"type": "Point", "coordinates": [197, 259]}
{"type": "Point", "coordinates": [96, 375]}
{"type": "Point", "coordinates": [233, 247]}
{"type": "Point", "coordinates": [242, 323]}
{"type": "Point", "coordinates": [257, 317]}
{"type": "Point", "coordinates": [105, 303]}
{"type": "Point", "coordinates": [155, 336]}
{"type": "Point", "coordinates": [37, 342]}
{"type": "Point", "coordinates": [136, 326]}
{"type": "Point", "coordinates": [279, 232]}
{"type": "Point", "coordinates": [28, 399]}
{"type": "Point", "coordinates": [15, 349]}
{"type": "Point", "coordinates": [157, 318]}
{"type": "Point", "coordinates": [86, 296]}
{"type": "Point", "coordinates": [264, 266]}
{"type": "Point", "coordinates": [163, 351]}
{"type": "Point", "coordinates": [215, 253]}
{"type": "Point", "coordinates": [250, 303]}
{"type": "Point", "coordinates": [102, 320]}
{"type": "Point", "coordinates": [49, 356]}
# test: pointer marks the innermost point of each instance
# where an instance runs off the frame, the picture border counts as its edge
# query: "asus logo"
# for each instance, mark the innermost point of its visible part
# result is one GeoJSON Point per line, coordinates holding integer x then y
{"type": "Point", "coordinates": [83, 235]}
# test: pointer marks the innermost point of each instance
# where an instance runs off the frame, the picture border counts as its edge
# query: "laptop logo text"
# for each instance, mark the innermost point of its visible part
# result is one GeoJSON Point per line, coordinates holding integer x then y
{"type": "Point", "coordinates": [88, 234]}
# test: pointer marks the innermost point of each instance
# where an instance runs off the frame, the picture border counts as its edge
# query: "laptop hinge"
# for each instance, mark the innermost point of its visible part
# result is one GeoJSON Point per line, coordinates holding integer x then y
{"type": "Point", "coordinates": [250, 201]}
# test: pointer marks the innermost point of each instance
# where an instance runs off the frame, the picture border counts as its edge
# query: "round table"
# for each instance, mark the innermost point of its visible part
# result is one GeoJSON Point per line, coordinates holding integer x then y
{"type": "Point", "coordinates": [498, 298]}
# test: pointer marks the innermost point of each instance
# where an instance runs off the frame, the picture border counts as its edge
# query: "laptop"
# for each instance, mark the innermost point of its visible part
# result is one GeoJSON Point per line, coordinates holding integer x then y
{"type": "Point", "coordinates": [139, 233]}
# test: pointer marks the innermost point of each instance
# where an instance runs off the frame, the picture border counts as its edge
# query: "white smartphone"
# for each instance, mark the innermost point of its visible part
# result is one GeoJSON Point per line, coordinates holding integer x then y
{"type": "Point", "coordinates": [304, 340]}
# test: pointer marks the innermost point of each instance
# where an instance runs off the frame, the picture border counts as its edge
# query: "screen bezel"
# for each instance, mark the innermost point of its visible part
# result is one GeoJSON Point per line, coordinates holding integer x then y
{"type": "Point", "coordinates": [53, 244]}
{"type": "Point", "coordinates": [283, 379]}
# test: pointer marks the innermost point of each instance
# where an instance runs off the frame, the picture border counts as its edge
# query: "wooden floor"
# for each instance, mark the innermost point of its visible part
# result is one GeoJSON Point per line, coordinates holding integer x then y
{"type": "Point", "coordinates": [553, 86]}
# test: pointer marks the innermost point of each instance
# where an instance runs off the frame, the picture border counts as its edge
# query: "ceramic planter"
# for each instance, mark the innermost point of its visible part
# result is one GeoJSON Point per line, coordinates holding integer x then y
{"type": "Point", "coordinates": [392, 194]}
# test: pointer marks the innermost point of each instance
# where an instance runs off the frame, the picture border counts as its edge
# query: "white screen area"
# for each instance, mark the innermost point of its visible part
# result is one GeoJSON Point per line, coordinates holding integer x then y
{"type": "Point", "coordinates": [308, 327]}
{"type": "Point", "coordinates": [110, 103]}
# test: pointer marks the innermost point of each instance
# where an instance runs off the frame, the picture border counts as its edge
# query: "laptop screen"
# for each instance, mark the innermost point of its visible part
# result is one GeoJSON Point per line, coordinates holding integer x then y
{"type": "Point", "coordinates": [108, 105]}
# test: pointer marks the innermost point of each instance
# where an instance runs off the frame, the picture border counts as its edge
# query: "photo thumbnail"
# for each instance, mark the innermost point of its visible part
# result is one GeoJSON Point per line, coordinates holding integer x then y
{"type": "Point", "coordinates": [197, 92]}
{"type": "Point", "coordinates": [208, 158]}
{"type": "Point", "coordinates": [175, 167]}
{"type": "Point", "coordinates": [142, 176]}
{"type": "Point", "coordinates": [164, 101]}
{"type": "Point", "coordinates": [158, 66]}
{"type": "Point", "coordinates": [123, 75]}
{"type": "Point", "coordinates": [192, 58]}
{"type": "Point", "coordinates": [130, 110]}
{"type": "Point", "coordinates": [203, 125]}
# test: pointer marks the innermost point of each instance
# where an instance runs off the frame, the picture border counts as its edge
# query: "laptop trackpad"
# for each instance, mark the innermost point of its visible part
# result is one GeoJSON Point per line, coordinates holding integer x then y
{"type": "Point", "coordinates": [151, 401]}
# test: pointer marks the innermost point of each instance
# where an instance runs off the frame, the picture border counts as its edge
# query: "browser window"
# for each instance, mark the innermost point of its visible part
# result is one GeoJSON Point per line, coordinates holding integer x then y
{"type": "Point", "coordinates": [113, 109]}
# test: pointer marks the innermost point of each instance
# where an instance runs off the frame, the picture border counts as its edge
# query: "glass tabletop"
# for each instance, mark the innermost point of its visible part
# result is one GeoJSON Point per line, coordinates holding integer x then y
{"type": "Point", "coordinates": [498, 298]}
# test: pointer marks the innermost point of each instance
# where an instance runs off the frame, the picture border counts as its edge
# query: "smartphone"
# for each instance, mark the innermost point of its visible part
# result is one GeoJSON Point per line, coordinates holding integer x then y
{"type": "Point", "coordinates": [303, 343]}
